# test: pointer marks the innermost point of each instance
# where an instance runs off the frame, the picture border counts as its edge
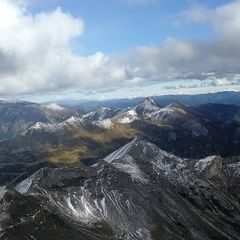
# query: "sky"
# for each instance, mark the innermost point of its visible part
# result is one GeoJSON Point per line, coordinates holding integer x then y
{"type": "Point", "coordinates": [88, 49]}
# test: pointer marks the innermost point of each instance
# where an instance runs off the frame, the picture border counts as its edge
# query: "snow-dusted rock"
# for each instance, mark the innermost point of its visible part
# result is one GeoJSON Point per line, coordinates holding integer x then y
{"type": "Point", "coordinates": [137, 192]}
{"type": "Point", "coordinates": [127, 116]}
{"type": "Point", "coordinates": [73, 122]}
{"type": "Point", "coordinates": [100, 114]}
{"type": "Point", "coordinates": [105, 123]}
{"type": "Point", "coordinates": [2, 191]}
{"type": "Point", "coordinates": [210, 166]}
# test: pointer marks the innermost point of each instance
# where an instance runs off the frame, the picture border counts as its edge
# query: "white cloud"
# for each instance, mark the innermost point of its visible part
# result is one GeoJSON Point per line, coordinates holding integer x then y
{"type": "Point", "coordinates": [36, 53]}
{"type": "Point", "coordinates": [176, 59]}
{"type": "Point", "coordinates": [225, 19]}
{"type": "Point", "coordinates": [35, 47]}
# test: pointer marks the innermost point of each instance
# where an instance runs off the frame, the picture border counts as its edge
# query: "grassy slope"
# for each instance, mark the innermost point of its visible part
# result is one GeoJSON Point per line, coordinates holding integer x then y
{"type": "Point", "coordinates": [84, 144]}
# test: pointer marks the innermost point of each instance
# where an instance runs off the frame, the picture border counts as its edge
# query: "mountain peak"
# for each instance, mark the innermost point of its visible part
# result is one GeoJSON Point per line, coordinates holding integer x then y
{"type": "Point", "coordinates": [139, 148]}
{"type": "Point", "coordinates": [148, 105]}
{"type": "Point", "coordinates": [149, 100]}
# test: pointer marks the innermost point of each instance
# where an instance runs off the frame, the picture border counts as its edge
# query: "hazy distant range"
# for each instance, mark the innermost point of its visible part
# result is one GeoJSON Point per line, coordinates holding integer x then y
{"type": "Point", "coordinates": [228, 97]}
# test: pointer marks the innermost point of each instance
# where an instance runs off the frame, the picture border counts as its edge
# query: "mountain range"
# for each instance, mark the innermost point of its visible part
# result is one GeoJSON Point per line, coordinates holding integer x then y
{"type": "Point", "coordinates": [226, 97]}
{"type": "Point", "coordinates": [34, 135]}
{"type": "Point", "coordinates": [137, 192]}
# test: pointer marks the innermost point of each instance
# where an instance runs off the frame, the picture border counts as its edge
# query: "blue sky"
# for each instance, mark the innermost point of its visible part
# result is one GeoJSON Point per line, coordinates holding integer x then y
{"type": "Point", "coordinates": [116, 25]}
{"type": "Point", "coordinates": [92, 49]}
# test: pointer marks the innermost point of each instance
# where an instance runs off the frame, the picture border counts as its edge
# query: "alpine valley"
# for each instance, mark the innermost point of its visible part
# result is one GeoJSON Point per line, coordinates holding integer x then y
{"type": "Point", "coordinates": [147, 169]}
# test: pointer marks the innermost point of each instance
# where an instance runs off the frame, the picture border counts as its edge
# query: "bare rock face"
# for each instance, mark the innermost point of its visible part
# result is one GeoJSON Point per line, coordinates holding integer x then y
{"type": "Point", "coordinates": [215, 167]}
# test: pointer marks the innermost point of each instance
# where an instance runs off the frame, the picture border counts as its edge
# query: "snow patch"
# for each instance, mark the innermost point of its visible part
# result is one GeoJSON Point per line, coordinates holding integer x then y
{"type": "Point", "coordinates": [128, 165]}
{"type": "Point", "coordinates": [73, 122]}
{"type": "Point", "coordinates": [24, 186]}
{"type": "Point", "coordinates": [128, 117]}
{"type": "Point", "coordinates": [148, 105]}
{"type": "Point", "coordinates": [81, 207]}
{"type": "Point", "coordinates": [69, 203]}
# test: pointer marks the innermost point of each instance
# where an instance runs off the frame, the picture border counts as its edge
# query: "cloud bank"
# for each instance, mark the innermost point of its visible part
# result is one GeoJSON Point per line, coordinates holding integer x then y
{"type": "Point", "coordinates": [36, 53]}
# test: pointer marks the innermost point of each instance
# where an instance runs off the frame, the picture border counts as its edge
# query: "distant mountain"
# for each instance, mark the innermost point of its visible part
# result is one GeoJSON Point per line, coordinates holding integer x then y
{"type": "Point", "coordinates": [16, 117]}
{"type": "Point", "coordinates": [58, 113]}
{"type": "Point", "coordinates": [139, 112]}
{"type": "Point", "coordinates": [175, 114]}
{"type": "Point", "coordinates": [228, 97]}
{"type": "Point", "coordinates": [220, 112]}
{"type": "Point", "coordinates": [137, 192]}
{"type": "Point", "coordinates": [146, 107]}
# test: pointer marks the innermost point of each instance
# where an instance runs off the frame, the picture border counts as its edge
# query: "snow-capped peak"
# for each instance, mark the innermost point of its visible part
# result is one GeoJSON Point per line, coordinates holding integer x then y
{"type": "Point", "coordinates": [150, 100]}
{"type": "Point", "coordinates": [140, 147]}
{"type": "Point", "coordinates": [148, 104]}
{"type": "Point", "coordinates": [139, 152]}
{"type": "Point", "coordinates": [145, 108]}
